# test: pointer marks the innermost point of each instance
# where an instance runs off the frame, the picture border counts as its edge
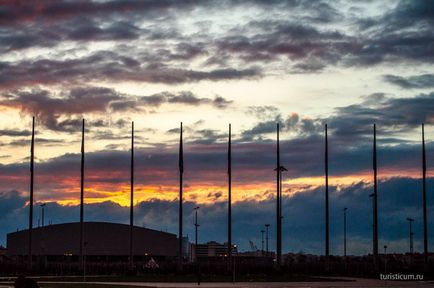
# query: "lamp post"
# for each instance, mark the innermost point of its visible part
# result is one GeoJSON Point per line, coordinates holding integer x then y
{"type": "Point", "coordinates": [326, 203]}
{"type": "Point", "coordinates": [266, 239]}
{"type": "Point", "coordinates": [345, 233]}
{"type": "Point", "coordinates": [372, 196]}
{"type": "Point", "coordinates": [32, 163]}
{"type": "Point", "coordinates": [424, 205]}
{"type": "Point", "coordinates": [410, 221]}
{"type": "Point", "coordinates": [385, 259]}
{"type": "Point", "coordinates": [180, 218]}
{"type": "Point", "coordinates": [43, 213]}
{"type": "Point", "coordinates": [196, 226]}
{"type": "Point", "coordinates": [278, 215]}
{"type": "Point", "coordinates": [262, 242]}
{"type": "Point", "coordinates": [279, 170]}
{"type": "Point", "coordinates": [374, 202]}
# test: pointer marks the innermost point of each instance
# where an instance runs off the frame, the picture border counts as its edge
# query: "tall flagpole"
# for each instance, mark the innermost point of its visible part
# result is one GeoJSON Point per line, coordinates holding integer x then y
{"type": "Point", "coordinates": [132, 196]}
{"type": "Point", "coordinates": [425, 220]}
{"type": "Point", "coordinates": [181, 171]}
{"type": "Point", "coordinates": [230, 197]}
{"type": "Point", "coordinates": [82, 196]}
{"type": "Point", "coordinates": [327, 225]}
{"type": "Point", "coordinates": [375, 216]}
{"type": "Point", "coordinates": [32, 159]}
{"type": "Point", "coordinates": [278, 216]}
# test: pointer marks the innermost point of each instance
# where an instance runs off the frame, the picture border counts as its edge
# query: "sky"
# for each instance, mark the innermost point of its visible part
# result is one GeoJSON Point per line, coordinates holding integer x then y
{"type": "Point", "coordinates": [207, 63]}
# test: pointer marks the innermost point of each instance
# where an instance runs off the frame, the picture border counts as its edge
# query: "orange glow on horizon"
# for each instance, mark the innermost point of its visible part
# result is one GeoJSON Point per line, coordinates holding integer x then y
{"type": "Point", "coordinates": [206, 193]}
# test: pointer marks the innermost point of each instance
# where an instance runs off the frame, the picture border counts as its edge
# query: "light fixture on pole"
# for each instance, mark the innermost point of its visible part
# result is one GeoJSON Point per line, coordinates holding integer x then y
{"type": "Point", "coordinates": [411, 234]}
{"type": "Point", "coordinates": [43, 213]}
{"type": "Point", "coordinates": [266, 238]}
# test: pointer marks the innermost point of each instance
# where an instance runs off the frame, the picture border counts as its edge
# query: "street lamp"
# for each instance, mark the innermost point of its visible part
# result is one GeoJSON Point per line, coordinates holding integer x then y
{"type": "Point", "coordinates": [196, 226]}
{"type": "Point", "coordinates": [410, 221]}
{"type": "Point", "coordinates": [345, 233]}
{"type": "Point", "coordinates": [266, 238]}
{"type": "Point", "coordinates": [42, 213]}
{"type": "Point", "coordinates": [373, 223]}
{"type": "Point", "coordinates": [385, 259]}
{"type": "Point", "coordinates": [262, 242]}
{"type": "Point", "coordinates": [279, 169]}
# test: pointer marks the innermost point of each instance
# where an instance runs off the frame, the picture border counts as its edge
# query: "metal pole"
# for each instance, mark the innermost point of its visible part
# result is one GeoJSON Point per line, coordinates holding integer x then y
{"type": "Point", "coordinates": [230, 198]}
{"type": "Point", "coordinates": [327, 231]}
{"type": "Point", "coordinates": [278, 219]}
{"type": "Point", "coordinates": [42, 213]}
{"type": "Point", "coordinates": [375, 242]}
{"type": "Point", "coordinates": [385, 259]}
{"type": "Point", "coordinates": [373, 224]}
{"type": "Point", "coordinates": [132, 197]}
{"type": "Point", "coordinates": [345, 233]}
{"type": "Point", "coordinates": [32, 159]}
{"type": "Point", "coordinates": [262, 242]}
{"type": "Point", "coordinates": [82, 196]}
{"type": "Point", "coordinates": [410, 221]}
{"type": "Point", "coordinates": [196, 226]}
{"type": "Point", "coordinates": [425, 216]}
{"type": "Point", "coordinates": [281, 170]}
{"type": "Point", "coordinates": [181, 171]}
{"type": "Point", "coordinates": [266, 239]}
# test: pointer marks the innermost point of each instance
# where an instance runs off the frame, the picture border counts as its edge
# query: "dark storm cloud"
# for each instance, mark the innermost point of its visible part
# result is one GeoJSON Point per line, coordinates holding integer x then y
{"type": "Point", "coordinates": [78, 30]}
{"type": "Point", "coordinates": [49, 108]}
{"type": "Point", "coordinates": [304, 44]}
{"type": "Point", "coordinates": [116, 31]}
{"type": "Point", "coordinates": [15, 133]}
{"type": "Point", "coordinates": [403, 33]}
{"type": "Point", "coordinates": [312, 48]}
{"type": "Point", "coordinates": [303, 226]}
{"type": "Point", "coordinates": [423, 81]}
{"type": "Point", "coordinates": [14, 12]}
{"type": "Point", "coordinates": [45, 141]}
{"type": "Point", "coordinates": [270, 116]}
{"type": "Point", "coordinates": [394, 48]}
{"type": "Point", "coordinates": [108, 66]}
{"type": "Point", "coordinates": [208, 136]}
{"type": "Point", "coordinates": [407, 13]}
{"type": "Point", "coordinates": [393, 114]}
{"type": "Point", "coordinates": [304, 39]}
{"type": "Point", "coordinates": [156, 100]}
{"type": "Point", "coordinates": [60, 112]}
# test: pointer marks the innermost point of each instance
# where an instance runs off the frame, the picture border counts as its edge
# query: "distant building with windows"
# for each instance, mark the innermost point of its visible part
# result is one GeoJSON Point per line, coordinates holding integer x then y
{"type": "Point", "coordinates": [211, 249]}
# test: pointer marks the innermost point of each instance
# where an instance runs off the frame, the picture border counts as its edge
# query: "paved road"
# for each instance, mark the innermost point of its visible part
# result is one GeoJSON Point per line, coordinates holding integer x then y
{"type": "Point", "coordinates": [354, 283]}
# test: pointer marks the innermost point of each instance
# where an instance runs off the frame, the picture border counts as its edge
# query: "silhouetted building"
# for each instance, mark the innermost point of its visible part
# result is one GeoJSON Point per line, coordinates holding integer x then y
{"type": "Point", "coordinates": [3, 250]}
{"type": "Point", "coordinates": [100, 240]}
{"type": "Point", "coordinates": [186, 247]}
{"type": "Point", "coordinates": [211, 249]}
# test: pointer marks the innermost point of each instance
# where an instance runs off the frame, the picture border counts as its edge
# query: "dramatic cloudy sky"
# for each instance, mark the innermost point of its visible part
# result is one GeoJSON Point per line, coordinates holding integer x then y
{"type": "Point", "coordinates": [210, 63]}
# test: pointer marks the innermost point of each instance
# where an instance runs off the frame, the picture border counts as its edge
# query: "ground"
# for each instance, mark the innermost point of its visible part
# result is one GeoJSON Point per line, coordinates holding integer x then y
{"type": "Point", "coordinates": [349, 282]}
